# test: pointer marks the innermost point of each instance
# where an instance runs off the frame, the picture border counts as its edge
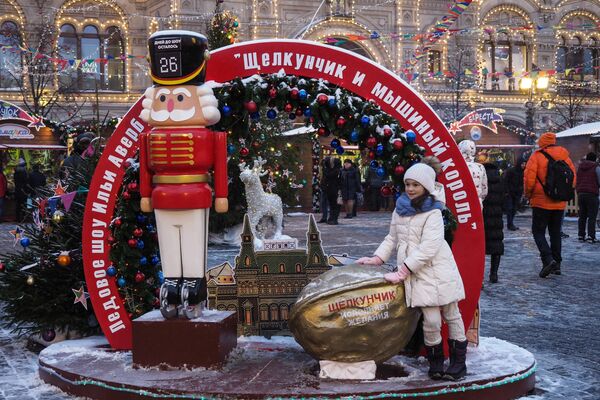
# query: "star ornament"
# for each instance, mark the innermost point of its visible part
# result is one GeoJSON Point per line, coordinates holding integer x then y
{"type": "Point", "coordinates": [80, 297]}
{"type": "Point", "coordinates": [454, 127]}
{"type": "Point", "coordinates": [59, 189]}
{"type": "Point", "coordinates": [37, 123]}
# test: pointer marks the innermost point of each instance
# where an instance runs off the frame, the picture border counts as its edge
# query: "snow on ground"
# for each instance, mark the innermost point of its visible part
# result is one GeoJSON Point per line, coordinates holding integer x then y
{"type": "Point", "coordinates": [556, 318]}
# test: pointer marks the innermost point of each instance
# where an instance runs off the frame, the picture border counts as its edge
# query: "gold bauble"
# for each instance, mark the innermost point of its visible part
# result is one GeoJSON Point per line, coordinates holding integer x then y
{"type": "Point", "coordinates": [57, 216]}
{"type": "Point", "coordinates": [64, 259]}
{"type": "Point", "coordinates": [30, 280]}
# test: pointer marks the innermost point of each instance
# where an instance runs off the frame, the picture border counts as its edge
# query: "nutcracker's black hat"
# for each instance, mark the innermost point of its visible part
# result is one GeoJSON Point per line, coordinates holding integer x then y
{"type": "Point", "coordinates": [178, 58]}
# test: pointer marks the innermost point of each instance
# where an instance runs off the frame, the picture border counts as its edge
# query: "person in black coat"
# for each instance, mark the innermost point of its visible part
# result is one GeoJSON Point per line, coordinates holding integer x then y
{"type": "Point", "coordinates": [350, 186]}
{"type": "Point", "coordinates": [36, 178]}
{"type": "Point", "coordinates": [513, 189]}
{"type": "Point", "coordinates": [492, 219]}
{"type": "Point", "coordinates": [333, 181]}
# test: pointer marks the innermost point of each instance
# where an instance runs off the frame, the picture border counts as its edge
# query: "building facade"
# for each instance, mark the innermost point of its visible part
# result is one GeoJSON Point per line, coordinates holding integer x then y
{"type": "Point", "coordinates": [97, 68]}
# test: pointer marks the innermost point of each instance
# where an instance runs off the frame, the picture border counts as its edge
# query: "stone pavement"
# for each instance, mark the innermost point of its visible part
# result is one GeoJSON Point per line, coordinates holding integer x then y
{"type": "Point", "coordinates": [554, 318]}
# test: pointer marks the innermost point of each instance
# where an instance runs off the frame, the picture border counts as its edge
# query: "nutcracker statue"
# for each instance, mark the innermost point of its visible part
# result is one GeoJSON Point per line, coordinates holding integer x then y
{"type": "Point", "coordinates": [176, 156]}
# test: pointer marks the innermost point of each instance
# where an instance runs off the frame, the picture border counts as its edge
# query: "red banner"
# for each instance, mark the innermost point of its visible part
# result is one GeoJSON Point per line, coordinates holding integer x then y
{"type": "Point", "coordinates": [313, 60]}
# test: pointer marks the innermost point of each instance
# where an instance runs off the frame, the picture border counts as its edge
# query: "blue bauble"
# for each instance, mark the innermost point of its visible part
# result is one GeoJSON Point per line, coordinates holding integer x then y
{"type": "Point", "coordinates": [25, 242]}
{"type": "Point", "coordinates": [154, 260]}
{"type": "Point", "coordinates": [335, 143]}
{"type": "Point", "coordinates": [292, 116]}
{"type": "Point", "coordinates": [143, 261]}
{"type": "Point", "coordinates": [380, 171]}
{"type": "Point", "coordinates": [374, 164]}
{"type": "Point", "coordinates": [379, 149]}
{"type": "Point", "coordinates": [140, 218]}
{"type": "Point", "coordinates": [307, 112]}
{"type": "Point", "coordinates": [354, 136]}
{"type": "Point", "coordinates": [271, 114]}
{"type": "Point", "coordinates": [411, 137]}
{"type": "Point", "coordinates": [331, 102]}
{"type": "Point", "coordinates": [230, 149]}
{"type": "Point", "coordinates": [150, 228]}
{"type": "Point", "coordinates": [140, 244]}
{"type": "Point", "coordinates": [374, 35]}
{"type": "Point", "coordinates": [111, 271]}
{"type": "Point", "coordinates": [226, 111]}
{"type": "Point", "coordinates": [302, 94]}
{"type": "Point", "coordinates": [121, 282]}
{"type": "Point", "coordinates": [255, 115]}
{"type": "Point", "coordinates": [161, 278]}
{"type": "Point", "coordinates": [365, 121]}
{"type": "Point", "coordinates": [340, 150]}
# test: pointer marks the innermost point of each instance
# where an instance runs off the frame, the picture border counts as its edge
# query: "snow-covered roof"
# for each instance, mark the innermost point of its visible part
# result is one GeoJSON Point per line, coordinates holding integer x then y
{"type": "Point", "coordinates": [299, 131]}
{"type": "Point", "coordinates": [581, 130]}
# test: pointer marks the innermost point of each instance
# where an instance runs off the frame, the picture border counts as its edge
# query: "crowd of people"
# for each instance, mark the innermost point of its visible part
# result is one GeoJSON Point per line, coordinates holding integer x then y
{"type": "Point", "coordinates": [25, 184]}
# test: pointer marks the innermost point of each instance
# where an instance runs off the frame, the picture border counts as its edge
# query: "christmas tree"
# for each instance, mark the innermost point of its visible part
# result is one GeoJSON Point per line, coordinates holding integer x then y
{"type": "Point", "coordinates": [222, 28]}
{"type": "Point", "coordinates": [42, 286]}
{"type": "Point", "coordinates": [134, 248]}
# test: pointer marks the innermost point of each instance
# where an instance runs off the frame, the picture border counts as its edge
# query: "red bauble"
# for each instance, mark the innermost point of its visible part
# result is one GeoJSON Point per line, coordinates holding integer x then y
{"type": "Point", "coordinates": [251, 106]}
{"type": "Point", "coordinates": [156, 302]}
{"type": "Point", "coordinates": [322, 131]}
{"type": "Point", "coordinates": [288, 108]}
{"type": "Point", "coordinates": [244, 151]}
{"type": "Point", "coordinates": [398, 144]}
{"type": "Point", "coordinates": [126, 195]}
{"type": "Point", "coordinates": [371, 142]}
{"type": "Point", "coordinates": [322, 99]}
{"type": "Point", "coordinates": [132, 243]}
{"type": "Point", "coordinates": [272, 93]}
{"type": "Point", "coordinates": [294, 93]}
{"type": "Point", "coordinates": [2, 267]}
{"type": "Point", "coordinates": [132, 187]}
{"type": "Point", "coordinates": [256, 144]}
{"type": "Point", "coordinates": [126, 164]}
{"type": "Point", "coordinates": [110, 239]}
{"type": "Point", "coordinates": [387, 132]}
{"type": "Point", "coordinates": [137, 232]}
{"type": "Point", "coordinates": [371, 155]}
{"type": "Point", "coordinates": [399, 170]}
{"type": "Point", "coordinates": [340, 122]}
{"type": "Point", "coordinates": [139, 277]}
{"type": "Point", "coordinates": [386, 191]}
{"type": "Point", "coordinates": [299, 112]}
{"type": "Point", "coordinates": [118, 222]}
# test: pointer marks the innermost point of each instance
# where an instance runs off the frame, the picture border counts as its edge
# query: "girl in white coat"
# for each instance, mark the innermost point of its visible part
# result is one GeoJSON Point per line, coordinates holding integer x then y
{"type": "Point", "coordinates": [427, 267]}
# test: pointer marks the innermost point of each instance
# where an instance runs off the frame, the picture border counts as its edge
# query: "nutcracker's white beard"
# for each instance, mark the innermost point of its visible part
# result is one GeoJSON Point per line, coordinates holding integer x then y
{"type": "Point", "coordinates": [175, 115]}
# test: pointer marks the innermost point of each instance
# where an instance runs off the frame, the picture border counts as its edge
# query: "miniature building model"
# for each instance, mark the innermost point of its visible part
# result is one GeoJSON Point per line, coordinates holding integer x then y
{"type": "Point", "coordinates": [265, 284]}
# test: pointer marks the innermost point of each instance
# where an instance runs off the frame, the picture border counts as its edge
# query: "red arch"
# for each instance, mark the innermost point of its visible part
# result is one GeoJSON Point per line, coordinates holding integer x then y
{"type": "Point", "coordinates": [309, 59]}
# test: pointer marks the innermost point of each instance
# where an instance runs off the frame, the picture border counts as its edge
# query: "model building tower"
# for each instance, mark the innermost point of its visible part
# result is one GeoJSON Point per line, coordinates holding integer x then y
{"type": "Point", "coordinates": [266, 283]}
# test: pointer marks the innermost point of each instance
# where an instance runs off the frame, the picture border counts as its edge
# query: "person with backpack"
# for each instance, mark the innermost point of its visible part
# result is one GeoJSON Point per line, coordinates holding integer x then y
{"type": "Point", "coordinates": [549, 182]}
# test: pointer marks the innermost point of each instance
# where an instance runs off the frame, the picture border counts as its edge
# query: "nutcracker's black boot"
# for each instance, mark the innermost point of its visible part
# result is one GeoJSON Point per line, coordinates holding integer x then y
{"type": "Point", "coordinates": [170, 296]}
{"type": "Point", "coordinates": [193, 297]}
{"type": "Point", "coordinates": [435, 356]}
{"type": "Point", "coordinates": [458, 357]}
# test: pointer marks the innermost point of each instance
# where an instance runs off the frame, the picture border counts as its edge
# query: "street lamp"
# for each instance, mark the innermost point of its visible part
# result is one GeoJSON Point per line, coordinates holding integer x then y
{"type": "Point", "coordinates": [532, 86]}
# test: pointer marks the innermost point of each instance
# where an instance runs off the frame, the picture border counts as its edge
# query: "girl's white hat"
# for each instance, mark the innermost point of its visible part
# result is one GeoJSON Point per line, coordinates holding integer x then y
{"type": "Point", "coordinates": [423, 174]}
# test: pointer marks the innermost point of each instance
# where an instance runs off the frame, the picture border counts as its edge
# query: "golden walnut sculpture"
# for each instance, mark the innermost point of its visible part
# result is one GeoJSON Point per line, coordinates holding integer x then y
{"type": "Point", "coordinates": [351, 314]}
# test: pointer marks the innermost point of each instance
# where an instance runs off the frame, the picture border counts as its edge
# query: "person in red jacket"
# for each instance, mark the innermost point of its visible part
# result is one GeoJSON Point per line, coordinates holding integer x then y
{"type": "Point", "coordinates": [175, 158]}
{"type": "Point", "coordinates": [547, 213]}
{"type": "Point", "coordinates": [588, 186]}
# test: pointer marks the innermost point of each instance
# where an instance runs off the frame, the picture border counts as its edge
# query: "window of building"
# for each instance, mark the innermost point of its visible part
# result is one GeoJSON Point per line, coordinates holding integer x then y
{"type": "Point", "coordinates": [102, 66]}
{"type": "Point", "coordinates": [506, 53]}
{"type": "Point", "coordinates": [10, 60]}
{"type": "Point", "coordinates": [282, 268]}
{"type": "Point", "coordinates": [265, 269]}
{"type": "Point", "coordinates": [264, 313]}
{"type": "Point", "coordinates": [247, 261]}
{"type": "Point", "coordinates": [435, 61]}
{"type": "Point", "coordinates": [298, 267]}
{"type": "Point", "coordinates": [283, 309]}
{"type": "Point", "coordinates": [274, 312]}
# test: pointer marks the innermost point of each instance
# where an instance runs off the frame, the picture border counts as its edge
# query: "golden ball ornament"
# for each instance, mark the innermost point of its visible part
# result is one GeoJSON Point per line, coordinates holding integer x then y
{"type": "Point", "coordinates": [30, 280]}
{"type": "Point", "coordinates": [58, 216]}
{"type": "Point", "coordinates": [64, 259]}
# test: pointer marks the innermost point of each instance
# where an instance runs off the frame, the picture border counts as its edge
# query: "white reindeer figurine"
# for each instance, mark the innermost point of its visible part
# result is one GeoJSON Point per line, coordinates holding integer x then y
{"type": "Point", "coordinates": [260, 204]}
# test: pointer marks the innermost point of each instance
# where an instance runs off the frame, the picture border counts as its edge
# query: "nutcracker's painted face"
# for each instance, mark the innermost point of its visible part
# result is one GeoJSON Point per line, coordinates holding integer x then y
{"type": "Point", "coordinates": [186, 105]}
